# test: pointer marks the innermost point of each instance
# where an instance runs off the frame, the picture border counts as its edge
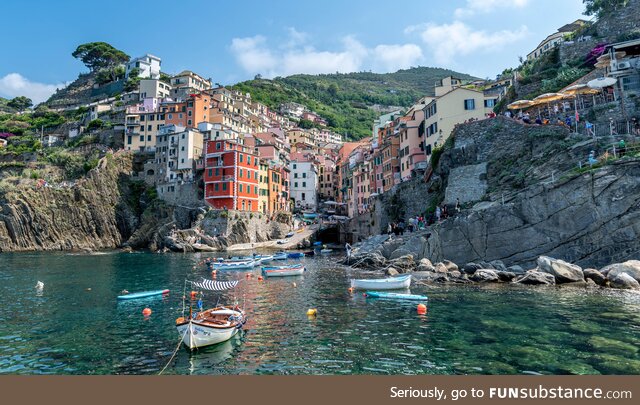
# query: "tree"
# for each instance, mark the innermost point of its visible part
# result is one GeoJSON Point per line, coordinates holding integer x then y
{"type": "Point", "coordinates": [99, 55]}
{"type": "Point", "coordinates": [133, 81]}
{"type": "Point", "coordinates": [601, 7]}
{"type": "Point", "coordinates": [20, 103]}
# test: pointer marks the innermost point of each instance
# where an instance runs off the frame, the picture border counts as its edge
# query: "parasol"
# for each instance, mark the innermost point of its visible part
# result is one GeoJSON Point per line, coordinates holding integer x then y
{"type": "Point", "coordinates": [520, 104]}
{"type": "Point", "coordinates": [601, 82]}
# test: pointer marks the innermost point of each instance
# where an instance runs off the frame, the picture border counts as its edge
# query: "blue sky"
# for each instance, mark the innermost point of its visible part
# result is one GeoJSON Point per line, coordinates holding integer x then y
{"type": "Point", "coordinates": [232, 41]}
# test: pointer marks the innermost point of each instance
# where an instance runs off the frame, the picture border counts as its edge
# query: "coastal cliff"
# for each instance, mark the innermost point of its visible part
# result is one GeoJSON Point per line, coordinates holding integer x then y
{"type": "Point", "coordinates": [96, 211]}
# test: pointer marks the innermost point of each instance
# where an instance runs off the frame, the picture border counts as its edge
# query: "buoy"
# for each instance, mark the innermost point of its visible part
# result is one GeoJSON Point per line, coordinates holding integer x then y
{"type": "Point", "coordinates": [146, 311]}
{"type": "Point", "coordinates": [260, 278]}
{"type": "Point", "coordinates": [88, 289]}
{"type": "Point", "coordinates": [422, 309]}
{"type": "Point", "coordinates": [364, 294]}
{"type": "Point", "coordinates": [351, 289]}
{"type": "Point", "coordinates": [294, 284]}
{"type": "Point", "coordinates": [193, 295]}
{"type": "Point", "coordinates": [312, 312]}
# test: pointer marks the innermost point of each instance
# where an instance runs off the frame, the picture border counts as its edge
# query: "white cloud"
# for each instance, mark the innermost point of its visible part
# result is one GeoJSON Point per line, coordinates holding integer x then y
{"type": "Point", "coordinates": [447, 41]}
{"type": "Point", "coordinates": [394, 57]}
{"type": "Point", "coordinates": [486, 6]}
{"type": "Point", "coordinates": [255, 56]}
{"type": "Point", "coordinates": [14, 84]}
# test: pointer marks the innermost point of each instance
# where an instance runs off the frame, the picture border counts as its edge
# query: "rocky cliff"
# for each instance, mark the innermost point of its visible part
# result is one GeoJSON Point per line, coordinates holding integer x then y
{"type": "Point", "coordinates": [95, 212]}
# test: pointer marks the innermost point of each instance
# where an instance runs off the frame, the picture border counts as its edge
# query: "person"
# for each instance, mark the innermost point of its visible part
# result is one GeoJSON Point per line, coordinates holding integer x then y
{"type": "Point", "coordinates": [445, 212]}
{"type": "Point", "coordinates": [622, 147]}
{"type": "Point", "coordinates": [592, 158]}
{"type": "Point", "coordinates": [538, 120]}
{"type": "Point", "coordinates": [560, 122]}
{"type": "Point", "coordinates": [348, 247]}
{"type": "Point", "coordinates": [567, 121]}
{"type": "Point", "coordinates": [635, 126]}
{"type": "Point", "coordinates": [457, 205]}
{"type": "Point", "coordinates": [389, 229]}
{"type": "Point", "coordinates": [438, 213]}
{"type": "Point", "coordinates": [589, 127]}
{"type": "Point", "coordinates": [527, 118]}
{"type": "Point", "coordinates": [555, 109]}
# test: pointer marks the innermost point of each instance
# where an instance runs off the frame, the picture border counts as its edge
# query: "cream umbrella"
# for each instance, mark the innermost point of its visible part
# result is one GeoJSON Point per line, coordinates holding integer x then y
{"type": "Point", "coordinates": [520, 104]}
{"type": "Point", "coordinates": [548, 98]}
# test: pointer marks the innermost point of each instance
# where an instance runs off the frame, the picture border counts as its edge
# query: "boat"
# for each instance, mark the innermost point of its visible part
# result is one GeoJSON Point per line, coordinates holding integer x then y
{"type": "Point", "coordinates": [326, 251]}
{"type": "Point", "coordinates": [290, 234]}
{"type": "Point", "coordinates": [247, 264]}
{"type": "Point", "coordinates": [211, 326]}
{"type": "Point", "coordinates": [282, 271]}
{"type": "Point", "coordinates": [295, 255]}
{"type": "Point", "coordinates": [263, 258]}
{"type": "Point", "coordinates": [396, 296]}
{"type": "Point", "coordinates": [281, 256]}
{"type": "Point", "coordinates": [391, 283]}
{"type": "Point", "coordinates": [142, 294]}
{"type": "Point", "coordinates": [310, 253]}
{"type": "Point", "coordinates": [309, 215]}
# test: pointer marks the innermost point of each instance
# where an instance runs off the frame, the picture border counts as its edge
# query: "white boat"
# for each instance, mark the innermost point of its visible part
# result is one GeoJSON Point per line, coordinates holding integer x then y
{"type": "Point", "coordinates": [326, 251]}
{"type": "Point", "coordinates": [210, 327]}
{"type": "Point", "coordinates": [282, 271]}
{"type": "Point", "coordinates": [263, 258]}
{"type": "Point", "coordinates": [391, 283]}
{"type": "Point", "coordinates": [240, 265]}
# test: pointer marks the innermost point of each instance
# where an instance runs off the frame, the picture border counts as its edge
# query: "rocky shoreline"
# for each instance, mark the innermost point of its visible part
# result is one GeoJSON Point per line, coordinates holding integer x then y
{"type": "Point", "coordinates": [398, 255]}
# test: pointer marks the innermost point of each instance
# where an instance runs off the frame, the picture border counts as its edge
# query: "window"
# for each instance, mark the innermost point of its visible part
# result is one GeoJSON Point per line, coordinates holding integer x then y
{"type": "Point", "coordinates": [180, 148]}
{"type": "Point", "coordinates": [182, 161]}
{"type": "Point", "coordinates": [304, 184]}
{"type": "Point", "coordinates": [149, 138]}
{"type": "Point", "coordinates": [129, 140]}
{"type": "Point", "coordinates": [240, 158]}
{"type": "Point", "coordinates": [152, 117]}
{"type": "Point", "coordinates": [224, 186]}
{"type": "Point", "coordinates": [141, 138]}
{"type": "Point", "coordinates": [489, 103]}
{"type": "Point", "coordinates": [211, 172]}
{"type": "Point", "coordinates": [170, 116]}
{"type": "Point", "coordinates": [189, 113]}
{"type": "Point", "coordinates": [295, 166]}
{"type": "Point", "coordinates": [217, 172]}
{"type": "Point", "coordinates": [248, 159]}
{"type": "Point", "coordinates": [215, 186]}
{"type": "Point", "coordinates": [141, 128]}
{"type": "Point", "coordinates": [189, 122]}
{"type": "Point", "coordinates": [304, 197]}
{"type": "Point", "coordinates": [296, 184]}
{"type": "Point", "coordinates": [241, 171]}
{"type": "Point", "coordinates": [141, 118]}
{"type": "Point", "coordinates": [240, 188]}
{"type": "Point", "coordinates": [255, 189]}
{"type": "Point", "coordinates": [217, 145]}
{"type": "Point", "coordinates": [304, 175]}
{"type": "Point", "coordinates": [470, 104]}
{"type": "Point", "coordinates": [183, 136]}
{"type": "Point", "coordinates": [295, 175]}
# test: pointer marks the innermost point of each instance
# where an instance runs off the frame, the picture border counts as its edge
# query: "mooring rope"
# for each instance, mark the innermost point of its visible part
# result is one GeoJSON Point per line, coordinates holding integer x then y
{"type": "Point", "coordinates": [175, 351]}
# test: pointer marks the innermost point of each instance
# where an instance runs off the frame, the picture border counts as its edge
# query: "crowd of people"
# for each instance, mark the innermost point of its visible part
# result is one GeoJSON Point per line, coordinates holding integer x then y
{"type": "Point", "coordinates": [420, 222]}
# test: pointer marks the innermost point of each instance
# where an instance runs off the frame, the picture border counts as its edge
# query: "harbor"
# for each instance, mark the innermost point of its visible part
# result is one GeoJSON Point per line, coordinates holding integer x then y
{"type": "Point", "coordinates": [75, 325]}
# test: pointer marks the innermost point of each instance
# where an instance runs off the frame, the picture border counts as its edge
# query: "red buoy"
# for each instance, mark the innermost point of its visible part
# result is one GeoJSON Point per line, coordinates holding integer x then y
{"type": "Point", "coordinates": [422, 309]}
{"type": "Point", "coordinates": [146, 312]}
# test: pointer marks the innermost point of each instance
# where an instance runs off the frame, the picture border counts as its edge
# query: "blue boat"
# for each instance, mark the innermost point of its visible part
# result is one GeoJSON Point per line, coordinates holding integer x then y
{"type": "Point", "coordinates": [142, 294]}
{"type": "Point", "coordinates": [280, 256]}
{"type": "Point", "coordinates": [395, 296]}
{"type": "Point", "coordinates": [295, 255]}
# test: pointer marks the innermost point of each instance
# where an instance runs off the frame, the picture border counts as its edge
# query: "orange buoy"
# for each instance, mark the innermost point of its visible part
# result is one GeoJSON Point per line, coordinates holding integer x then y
{"type": "Point", "coordinates": [194, 294]}
{"type": "Point", "coordinates": [146, 312]}
{"type": "Point", "coordinates": [351, 289]}
{"type": "Point", "coordinates": [260, 278]}
{"type": "Point", "coordinates": [422, 309]}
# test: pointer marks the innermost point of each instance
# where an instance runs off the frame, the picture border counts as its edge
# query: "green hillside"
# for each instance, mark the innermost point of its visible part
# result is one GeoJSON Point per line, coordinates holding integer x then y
{"type": "Point", "coordinates": [344, 100]}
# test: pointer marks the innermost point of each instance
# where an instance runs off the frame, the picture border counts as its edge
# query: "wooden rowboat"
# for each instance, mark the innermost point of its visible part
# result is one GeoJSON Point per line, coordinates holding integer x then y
{"type": "Point", "coordinates": [244, 265]}
{"type": "Point", "coordinates": [391, 283]}
{"type": "Point", "coordinates": [210, 327]}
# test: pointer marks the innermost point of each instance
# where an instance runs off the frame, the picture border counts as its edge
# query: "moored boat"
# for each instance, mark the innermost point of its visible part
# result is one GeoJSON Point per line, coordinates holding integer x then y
{"type": "Point", "coordinates": [295, 255]}
{"type": "Point", "coordinates": [326, 251]}
{"type": "Point", "coordinates": [263, 258]}
{"type": "Point", "coordinates": [391, 283]}
{"type": "Point", "coordinates": [396, 296]}
{"type": "Point", "coordinates": [282, 271]}
{"type": "Point", "coordinates": [142, 294]}
{"type": "Point", "coordinates": [280, 256]}
{"type": "Point", "coordinates": [240, 265]}
{"type": "Point", "coordinates": [310, 253]}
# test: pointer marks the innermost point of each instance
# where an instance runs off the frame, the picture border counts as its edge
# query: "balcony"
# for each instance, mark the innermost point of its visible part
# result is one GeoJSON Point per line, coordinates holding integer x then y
{"type": "Point", "coordinates": [416, 151]}
{"type": "Point", "coordinates": [421, 165]}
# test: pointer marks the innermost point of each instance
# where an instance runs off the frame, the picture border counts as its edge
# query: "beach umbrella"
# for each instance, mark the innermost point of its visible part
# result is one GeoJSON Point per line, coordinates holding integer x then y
{"type": "Point", "coordinates": [548, 98]}
{"type": "Point", "coordinates": [520, 104]}
{"type": "Point", "coordinates": [601, 82]}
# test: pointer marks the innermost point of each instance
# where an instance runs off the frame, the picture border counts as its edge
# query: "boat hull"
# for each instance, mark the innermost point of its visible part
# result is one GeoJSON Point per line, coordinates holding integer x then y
{"type": "Point", "coordinates": [283, 272]}
{"type": "Point", "coordinates": [393, 283]}
{"type": "Point", "coordinates": [395, 296]}
{"type": "Point", "coordinates": [143, 294]}
{"type": "Point", "coordinates": [295, 255]}
{"type": "Point", "coordinates": [234, 265]}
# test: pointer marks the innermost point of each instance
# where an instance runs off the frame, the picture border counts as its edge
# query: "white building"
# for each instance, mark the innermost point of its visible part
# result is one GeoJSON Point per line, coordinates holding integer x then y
{"type": "Point", "coordinates": [154, 88]}
{"type": "Point", "coordinates": [303, 182]}
{"type": "Point", "coordinates": [149, 66]}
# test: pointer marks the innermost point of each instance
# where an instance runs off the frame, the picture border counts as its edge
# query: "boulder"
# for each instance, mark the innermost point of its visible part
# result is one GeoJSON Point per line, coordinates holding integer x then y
{"type": "Point", "coordinates": [485, 265]}
{"type": "Point", "coordinates": [430, 277]}
{"type": "Point", "coordinates": [505, 275]}
{"type": "Point", "coordinates": [631, 267]}
{"type": "Point", "coordinates": [403, 263]}
{"type": "Point", "coordinates": [441, 268]}
{"type": "Point", "coordinates": [562, 271]}
{"type": "Point", "coordinates": [485, 275]}
{"type": "Point", "coordinates": [498, 265]}
{"type": "Point", "coordinates": [425, 265]}
{"type": "Point", "coordinates": [391, 271]}
{"type": "Point", "coordinates": [451, 266]}
{"type": "Point", "coordinates": [595, 276]}
{"type": "Point", "coordinates": [367, 261]}
{"type": "Point", "coordinates": [416, 245]}
{"type": "Point", "coordinates": [591, 283]}
{"type": "Point", "coordinates": [401, 251]}
{"type": "Point", "coordinates": [515, 269]}
{"type": "Point", "coordinates": [390, 246]}
{"type": "Point", "coordinates": [471, 268]}
{"type": "Point", "coordinates": [534, 277]}
{"type": "Point", "coordinates": [623, 281]}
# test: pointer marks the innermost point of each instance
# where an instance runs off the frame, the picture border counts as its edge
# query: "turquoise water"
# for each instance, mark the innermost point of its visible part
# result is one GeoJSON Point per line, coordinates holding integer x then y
{"type": "Point", "coordinates": [69, 329]}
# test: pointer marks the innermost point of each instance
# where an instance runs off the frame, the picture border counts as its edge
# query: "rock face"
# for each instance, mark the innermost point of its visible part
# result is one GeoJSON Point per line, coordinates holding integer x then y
{"type": "Point", "coordinates": [534, 277]}
{"type": "Point", "coordinates": [95, 213]}
{"type": "Point", "coordinates": [623, 281]}
{"type": "Point", "coordinates": [562, 271]}
{"type": "Point", "coordinates": [595, 276]}
{"type": "Point", "coordinates": [590, 220]}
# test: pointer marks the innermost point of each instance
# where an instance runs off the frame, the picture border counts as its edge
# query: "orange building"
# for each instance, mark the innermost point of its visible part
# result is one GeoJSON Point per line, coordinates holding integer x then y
{"type": "Point", "coordinates": [231, 176]}
{"type": "Point", "coordinates": [188, 113]}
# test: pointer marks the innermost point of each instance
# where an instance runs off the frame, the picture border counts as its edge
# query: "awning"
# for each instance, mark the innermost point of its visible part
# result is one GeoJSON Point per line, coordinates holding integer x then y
{"type": "Point", "coordinates": [212, 285]}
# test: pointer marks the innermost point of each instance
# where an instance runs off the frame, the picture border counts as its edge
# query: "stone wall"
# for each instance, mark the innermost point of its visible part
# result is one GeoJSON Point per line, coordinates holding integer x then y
{"type": "Point", "coordinates": [466, 184]}
{"type": "Point", "coordinates": [186, 194]}
{"type": "Point", "coordinates": [245, 227]}
{"type": "Point", "coordinates": [570, 51]}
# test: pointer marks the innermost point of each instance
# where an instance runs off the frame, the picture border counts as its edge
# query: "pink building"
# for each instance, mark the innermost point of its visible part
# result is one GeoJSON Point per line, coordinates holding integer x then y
{"type": "Point", "coordinates": [411, 132]}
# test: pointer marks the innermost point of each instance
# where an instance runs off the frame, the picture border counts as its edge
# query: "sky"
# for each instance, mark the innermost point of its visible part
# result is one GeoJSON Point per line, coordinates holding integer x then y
{"type": "Point", "coordinates": [231, 41]}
